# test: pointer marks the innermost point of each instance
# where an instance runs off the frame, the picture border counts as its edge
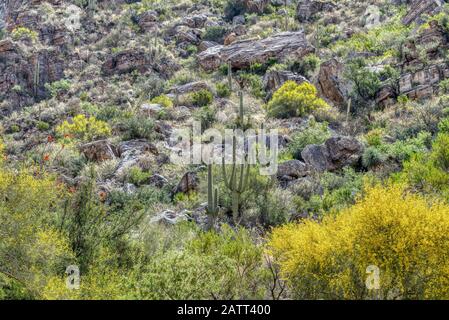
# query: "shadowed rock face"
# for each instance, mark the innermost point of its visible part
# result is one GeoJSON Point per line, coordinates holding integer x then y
{"type": "Point", "coordinates": [27, 72]}
{"type": "Point", "coordinates": [420, 7]}
{"type": "Point", "coordinates": [307, 9]}
{"type": "Point", "coordinates": [330, 82]}
{"type": "Point", "coordinates": [242, 54]}
{"type": "Point", "coordinates": [335, 153]}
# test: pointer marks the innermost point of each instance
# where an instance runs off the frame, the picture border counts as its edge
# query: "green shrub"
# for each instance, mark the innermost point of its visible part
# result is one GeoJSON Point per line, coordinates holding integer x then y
{"type": "Point", "coordinates": [43, 126]}
{"type": "Point", "coordinates": [214, 33]}
{"type": "Point", "coordinates": [294, 99]}
{"type": "Point", "coordinates": [84, 129]}
{"type": "Point", "coordinates": [223, 90]}
{"type": "Point", "coordinates": [136, 176]}
{"type": "Point", "coordinates": [374, 137]}
{"type": "Point", "coordinates": [206, 116]}
{"type": "Point", "coordinates": [253, 82]}
{"type": "Point", "coordinates": [201, 98]}
{"type": "Point", "coordinates": [314, 133]}
{"type": "Point", "coordinates": [306, 66]}
{"type": "Point", "coordinates": [58, 87]}
{"type": "Point", "coordinates": [136, 127]}
{"type": "Point", "coordinates": [443, 126]}
{"type": "Point", "coordinates": [24, 33]}
{"type": "Point", "coordinates": [372, 157]}
{"type": "Point", "coordinates": [233, 8]}
{"type": "Point", "coordinates": [366, 82]}
{"type": "Point", "coordinates": [163, 100]}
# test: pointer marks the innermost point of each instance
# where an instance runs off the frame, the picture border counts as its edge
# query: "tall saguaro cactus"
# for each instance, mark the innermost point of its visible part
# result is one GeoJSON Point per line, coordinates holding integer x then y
{"type": "Point", "coordinates": [212, 197]}
{"type": "Point", "coordinates": [36, 76]}
{"type": "Point", "coordinates": [230, 75]}
{"type": "Point", "coordinates": [237, 181]}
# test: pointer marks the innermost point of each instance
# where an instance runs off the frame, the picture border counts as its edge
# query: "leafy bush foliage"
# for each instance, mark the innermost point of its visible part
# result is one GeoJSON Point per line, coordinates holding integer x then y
{"type": "Point", "coordinates": [294, 99]}
{"type": "Point", "coordinates": [314, 133]}
{"type": "Point", "coordinates": [223, 90]}
{"type": "Point", "coordinates": [136, 127]}
{"type": "Point", "coordinates": [23, 32]}
{"type": "Point", "coordinates": [214, 33]}
{"type": "Point", "coordinates": [389, 228]}
{"type": "Point", "coordinates": [163, 100]}
{"type": "Point", "coordinates": [84, 129]}
{"type": "Point", "coordinates": [32, 249]}
{"type": "Point", "coordinates": [201, 98]}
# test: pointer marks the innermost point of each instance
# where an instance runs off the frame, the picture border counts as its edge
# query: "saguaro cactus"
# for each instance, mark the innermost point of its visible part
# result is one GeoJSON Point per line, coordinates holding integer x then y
{"type": "Point", "coordinates": [212, 197]}
{"type": "Point", "coordinates": [237, 182]}
{"type": "Point", "coordinates": [241, 117]}
{"type": "Point", "coordinates": [36, 76]}
{"type": "Point", "coordinates": [230, 75]}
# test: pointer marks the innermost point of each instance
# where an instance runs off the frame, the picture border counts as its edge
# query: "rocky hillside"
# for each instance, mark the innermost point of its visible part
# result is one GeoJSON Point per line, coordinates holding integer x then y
{"type": "Point", "coordinates": [91, 92]}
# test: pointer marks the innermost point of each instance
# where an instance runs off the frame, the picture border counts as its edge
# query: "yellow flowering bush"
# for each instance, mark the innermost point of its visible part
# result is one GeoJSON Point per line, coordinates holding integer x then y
{"type": "Point", "coordinates": [403, 234]}
{"type": "Point", "coordinates": [293, 99]}
{"type": "Point", "coordinates": [84, 129]}
{"type": "Point", "coordinates": [32, 250]}
{"type": "Point", "coordinates": [163, 100]}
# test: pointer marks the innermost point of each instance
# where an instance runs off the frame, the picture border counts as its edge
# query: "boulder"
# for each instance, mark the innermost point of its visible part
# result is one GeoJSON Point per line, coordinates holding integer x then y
{"type": "Point", "coordinates": [244, 53]}
{"type": "Point", "coordinates": [130, 60]}
{"type": "Point", "coordinates": [170, 217]}
{"type": "Point", "coordinates": [255, 6]}
{"type": "Point", "coordinates": [98, 151]}
{"type": "Point", "coordinates": [190, 87]}
{"type": "Point", "coordinates": [331, 83]}
{"type": "Point", "coordinates": [307, 9]}
{"type": "Point", "coordinates": [292, 169]}
{"type": "Point", "coordinates": [334, 154]}
{"type": "Point", "coordinates": [189, 182]}
{"type": "Point", "coordinates": [196, 21]}
{"type": "Point", "coordinates": [148, 21]}
{"type": "Point", "coordinates": [275, 79]}
{"type": "Point", "coordinates": [158, 181]}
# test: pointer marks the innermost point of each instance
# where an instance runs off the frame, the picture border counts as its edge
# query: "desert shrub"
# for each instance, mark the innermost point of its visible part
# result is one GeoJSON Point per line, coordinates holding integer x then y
{"type": "Point", "coordinates": [214, 33]}
{"type": "Point", "coordinates": [136, 127]}
{"type": "Point", "coordinates": [224, 265]}
{"type": "Point", "coordinates": [136, 176]}
{"type": "Point", "coordinates": [390, 228]}
{"type": "Point", "coordinates": [294, 99]}
{"type": "Point", "coordinates": [306, 66]}
{"type": "Point", "coordinates": [206, 116]}
{"type": "Point", "coordinates": [24, 33]}
{"type": "Point", "coordinates": [314, 133]}
{"type": "Point", "coordinates": [372, 157]}
{"type": "Point", "coordinates": [83, 128]}
{"type": "Point", "coordinates": [443, 126]}
{"type": "Point", "coordinates": [405, 149]}
{"type": "Point", "coordinates": [42, 125]}
{"type": "Point", "coordinates": [440, 152]}
{"type": "Point", "coordinates": [163, 100]}
{"type": "Point", "coordinates": [366, 82]}
{"type": "Point", "coordinates": [58, 87]}
{"type": "Point", "coordinates": [327, 34]}
{"type": "Point", "coordinates": [374, 137]}
{"type": "Point", "coordinates": [223, 90]}
{"type": "Point", "coordinates": [330, 193]}
{"type": "Point", "coordinates": [253, 82]}
{"type": "Point", "coordinates": [32, 249]}
{"type": "Point", "coordinates": [201, 98]}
